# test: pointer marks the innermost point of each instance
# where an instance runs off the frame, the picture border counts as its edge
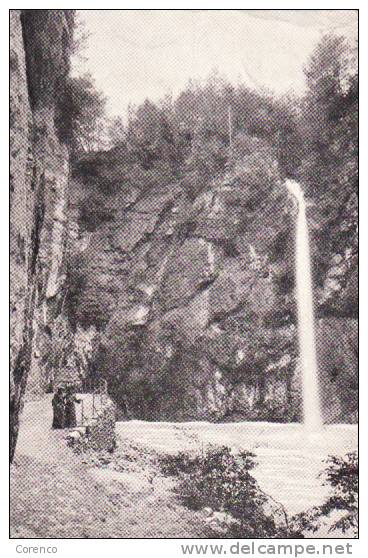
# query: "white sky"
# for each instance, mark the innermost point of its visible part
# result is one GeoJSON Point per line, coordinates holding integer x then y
{"type": "Point", "coordinates": [138, 54]}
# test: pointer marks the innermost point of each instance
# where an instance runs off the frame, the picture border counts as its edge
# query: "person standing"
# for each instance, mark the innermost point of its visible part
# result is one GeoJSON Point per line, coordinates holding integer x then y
{"type": "Point", "coordinates": [58, 409]}
{"type": "Point", "coordinates": [70, 413]}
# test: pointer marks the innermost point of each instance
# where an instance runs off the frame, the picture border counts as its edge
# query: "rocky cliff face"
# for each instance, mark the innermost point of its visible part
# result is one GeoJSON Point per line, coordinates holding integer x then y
{"type": "Point", "coordinates": [193, 302]}
{"type": "Point", "coordinates": [39, 168]}
{"type": "Point", "coordinates": [186, 306]}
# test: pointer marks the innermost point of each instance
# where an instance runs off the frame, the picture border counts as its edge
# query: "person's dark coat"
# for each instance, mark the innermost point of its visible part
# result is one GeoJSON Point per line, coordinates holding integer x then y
{"type": "Point", "coordinates": [70, 414]}
{"type": "Point", "coordinates": [58, 410]}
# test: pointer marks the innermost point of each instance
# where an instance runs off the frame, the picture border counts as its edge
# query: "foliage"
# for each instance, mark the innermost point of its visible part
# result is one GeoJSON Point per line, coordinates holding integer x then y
{"type": "Point", "coordinates": [179, 463]}
{"type": "Point", "coordinates": [51, 38]}
{"type": "Point", "coordinates": [85, 304]}
{"type": "Point", "coordinates": [329, 168]}
{"type": "Point", "coordinates": [314, 139]}
{"type": "Point", "coordinates": [81, 36]}
{"type": "Point", "coordinates": [329, 118]}
{"type": "Point", "coordinates": [341, 475]}
{"type": "Point", "coordinates": [116, 131]}
{"type": "Point", "coordinates": [220, 479]}
{"type": "Point", "coordinates": [80, 112]}
{"type": "Point", "coordinates": [191, 133]}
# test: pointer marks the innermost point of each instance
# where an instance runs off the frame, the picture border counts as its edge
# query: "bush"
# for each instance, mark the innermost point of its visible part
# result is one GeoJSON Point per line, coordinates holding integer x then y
{"type": "Point", "coordinates": [180, 463]}
{"type": "Point", "coordinates": [80, 111]}
{"type": "Point", "coordinates": [221, 480]}
{"type": "Point", "coordinates": [341, 475]}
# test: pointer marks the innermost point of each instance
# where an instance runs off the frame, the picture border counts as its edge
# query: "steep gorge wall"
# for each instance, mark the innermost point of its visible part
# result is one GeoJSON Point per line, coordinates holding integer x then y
{"type": "Point", "coordinates": [192, 303]}
{"type": "Point", "coordinates": [39, 169]}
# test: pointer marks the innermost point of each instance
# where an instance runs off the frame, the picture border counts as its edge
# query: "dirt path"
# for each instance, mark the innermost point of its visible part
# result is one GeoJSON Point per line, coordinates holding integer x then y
{"type": "Point", "coordinates": [54, 494]}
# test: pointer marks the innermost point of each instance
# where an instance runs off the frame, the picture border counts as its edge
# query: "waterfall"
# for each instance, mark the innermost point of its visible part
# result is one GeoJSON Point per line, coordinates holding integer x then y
{"type": "Point", "coordinates": [306, 326]}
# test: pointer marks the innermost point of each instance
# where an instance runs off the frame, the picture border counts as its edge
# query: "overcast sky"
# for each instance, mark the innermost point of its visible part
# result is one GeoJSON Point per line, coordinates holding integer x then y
{"type": "Point", "coordinates": [135, 54]}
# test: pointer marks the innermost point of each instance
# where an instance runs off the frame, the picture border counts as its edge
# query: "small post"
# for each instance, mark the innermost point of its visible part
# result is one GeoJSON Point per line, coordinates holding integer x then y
{"type": "Point", "coordinates": [82, 412]}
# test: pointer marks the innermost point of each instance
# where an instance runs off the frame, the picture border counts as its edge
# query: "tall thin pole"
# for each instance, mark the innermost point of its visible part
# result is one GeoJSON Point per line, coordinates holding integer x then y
{"type": "Point", "coordinates": [230, 128]}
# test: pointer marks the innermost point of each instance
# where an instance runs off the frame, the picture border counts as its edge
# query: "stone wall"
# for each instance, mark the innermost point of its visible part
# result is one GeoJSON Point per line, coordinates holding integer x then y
{"type": "Point", "coordinates": [99, 433]}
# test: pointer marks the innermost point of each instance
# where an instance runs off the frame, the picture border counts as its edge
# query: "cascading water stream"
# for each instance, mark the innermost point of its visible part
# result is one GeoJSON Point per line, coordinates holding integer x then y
{"type": "Point", "coordinates": [306, 325]}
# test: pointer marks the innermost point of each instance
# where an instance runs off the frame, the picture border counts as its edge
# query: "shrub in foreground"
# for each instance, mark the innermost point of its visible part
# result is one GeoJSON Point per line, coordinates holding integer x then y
{"type": "Point", "coordinates": [341, 474]}
{"type": "Point", "coordinates": [220, 479]}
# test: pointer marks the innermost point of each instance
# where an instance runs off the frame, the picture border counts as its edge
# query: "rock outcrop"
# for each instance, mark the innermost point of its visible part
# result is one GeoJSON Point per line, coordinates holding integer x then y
{"type": "Point", "coordinates": [39, 169]}
{"type": "Point", "coordinates": [194, 301]}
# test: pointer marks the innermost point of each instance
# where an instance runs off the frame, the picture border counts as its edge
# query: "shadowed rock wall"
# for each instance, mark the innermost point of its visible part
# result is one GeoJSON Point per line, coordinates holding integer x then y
{"type": "Point", "coordinates": [194, 301]}
{"type": "Point", "coordinates": [39, 168]}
